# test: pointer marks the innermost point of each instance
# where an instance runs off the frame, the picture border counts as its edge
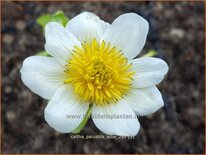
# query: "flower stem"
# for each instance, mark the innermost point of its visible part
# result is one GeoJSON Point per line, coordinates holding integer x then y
{"type": "Point", "coordinates": [84, 121]}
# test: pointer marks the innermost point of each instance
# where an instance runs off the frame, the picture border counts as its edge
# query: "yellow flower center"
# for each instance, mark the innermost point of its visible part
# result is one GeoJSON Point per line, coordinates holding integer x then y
{"type": "Point", "coordinates": [98, 73]}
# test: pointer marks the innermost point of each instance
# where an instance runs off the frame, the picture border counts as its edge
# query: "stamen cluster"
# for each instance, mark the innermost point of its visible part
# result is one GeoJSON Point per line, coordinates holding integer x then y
{"type": "Point", "coordinates": [98, 73]}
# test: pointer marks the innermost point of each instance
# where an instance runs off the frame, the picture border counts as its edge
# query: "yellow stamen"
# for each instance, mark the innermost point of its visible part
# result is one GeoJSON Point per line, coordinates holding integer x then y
{"type": "Point", "coordinates": [99, 73]}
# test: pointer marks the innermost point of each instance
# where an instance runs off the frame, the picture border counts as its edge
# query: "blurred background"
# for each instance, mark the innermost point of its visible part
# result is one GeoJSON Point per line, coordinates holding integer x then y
{"type": "Point", "coordinates": [176, 32]}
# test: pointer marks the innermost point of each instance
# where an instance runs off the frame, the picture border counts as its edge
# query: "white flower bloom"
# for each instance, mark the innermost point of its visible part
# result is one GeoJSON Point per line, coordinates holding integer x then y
{"type": "Point", "coordinates": [92, 63]}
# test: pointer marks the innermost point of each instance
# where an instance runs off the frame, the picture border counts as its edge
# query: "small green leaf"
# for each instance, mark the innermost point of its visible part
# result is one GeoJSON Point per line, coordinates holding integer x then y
{"type": "Point", "coordinates": [59, 17]}
{"type": "Point", "coordinates": [84, 121]}
{"type": "Point", "coordinates": [43, 20]}
{"type": "Point", "coordinates": [150, 53]}
{"type": "Point", "coordinates": [43, 53]}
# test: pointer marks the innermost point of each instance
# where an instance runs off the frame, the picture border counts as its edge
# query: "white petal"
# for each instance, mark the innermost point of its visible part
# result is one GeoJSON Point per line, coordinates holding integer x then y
{"type": "Point", "coordinates": [59, 42]}
{"type": "Point", "coordinates": [43, 75]}
{"type": "Point", "coordinates": [148, 71]}
{"type": "Point", "coordinates": [64, 113]}
{"type": "Point", "coordinates": [145, 101]}
{"type": "Point", "coordinates": [128, 33]}
{"type": "Point", "coordinates": [87, 26]}
{"type": "Point", "coordinates": [123, 123]}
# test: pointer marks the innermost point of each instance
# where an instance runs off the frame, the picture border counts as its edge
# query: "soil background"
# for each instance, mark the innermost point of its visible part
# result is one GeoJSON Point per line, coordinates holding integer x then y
{"type": "Point", "coordinates": [176, 32]}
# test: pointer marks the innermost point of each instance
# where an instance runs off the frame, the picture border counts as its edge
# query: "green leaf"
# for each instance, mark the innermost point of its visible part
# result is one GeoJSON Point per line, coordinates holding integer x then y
{"type": "Point", "coordinates": [150, 53]}
{"type": "Point", "coordinates": [84, 121]}
{"type": "Point", "coordinates": [59, 17]}
{"type": "Point", "coordinates": [43, 20]}
{"type": "Point", "coordinates": [43, 53]}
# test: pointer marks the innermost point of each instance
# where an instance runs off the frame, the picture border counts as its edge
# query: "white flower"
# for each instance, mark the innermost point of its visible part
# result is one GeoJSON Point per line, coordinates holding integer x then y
{"type": "Point", "coordinates": [92, 63]}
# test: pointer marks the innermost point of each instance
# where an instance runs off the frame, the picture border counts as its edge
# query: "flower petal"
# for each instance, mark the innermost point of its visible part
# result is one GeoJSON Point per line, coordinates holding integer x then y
{"type": "Point", "coordinates": [128, 33]}
{"type": "Point", "coordinates": [148, 71]}
{"type": "Point", "coordinates": [59, 42]}
{"type": "Point", "coordinates": [43, 75]}
{"type": "Point", "coordinates": [145, 101]}
{"type": "Point", "coordinates": [64, 113]}
{"type": "Point", "coordinates": [87, 26]}
{"type": "Point", "coordinates": [116, 119]}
